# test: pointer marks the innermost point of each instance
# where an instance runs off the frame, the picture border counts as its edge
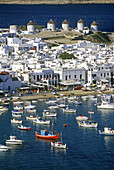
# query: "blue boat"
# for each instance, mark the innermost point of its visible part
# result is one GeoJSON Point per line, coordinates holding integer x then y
{"type": "Point", "coordinates": [107, 131]}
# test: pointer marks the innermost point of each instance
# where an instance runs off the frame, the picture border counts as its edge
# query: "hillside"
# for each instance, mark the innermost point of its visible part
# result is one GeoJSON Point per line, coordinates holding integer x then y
{"type": "Point", "coordinates": [54, 1]}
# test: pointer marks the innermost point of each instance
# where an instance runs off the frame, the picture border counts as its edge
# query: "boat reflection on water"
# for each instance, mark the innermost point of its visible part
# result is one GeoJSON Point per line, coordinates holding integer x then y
{"type": "Point", "coordinates": [57, 150]}
{"type": "Point", "coordinates": [108, 140]}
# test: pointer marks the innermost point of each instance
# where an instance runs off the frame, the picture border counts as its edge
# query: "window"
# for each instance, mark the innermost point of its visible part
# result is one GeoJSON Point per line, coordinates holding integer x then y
{"type": "Point", "coordinates": [107, 74]}
{"type": "Point", "coordinates": [101, 74]}
{"type": "Point", "coordinates": [69, 76]}
{"type": "Point", "coordinates": [65, 77]}
{"type": "Point", "coordinates": [104, 74]}
{"type": "Point", "coordinates": [80, 76]}
{"type": "Point", "coordinates": [75, 76]}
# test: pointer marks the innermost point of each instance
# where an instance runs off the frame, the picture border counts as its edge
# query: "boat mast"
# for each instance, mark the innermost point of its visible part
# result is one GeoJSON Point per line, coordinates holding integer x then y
{"type": "Point", "coordinates": [52, 128]}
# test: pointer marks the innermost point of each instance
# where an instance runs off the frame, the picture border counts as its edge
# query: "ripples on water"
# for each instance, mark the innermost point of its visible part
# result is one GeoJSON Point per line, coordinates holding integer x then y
{"type": "Point", "coordinates": [86, 149]}
{"type": "Point", "coordinates": [40, 14]}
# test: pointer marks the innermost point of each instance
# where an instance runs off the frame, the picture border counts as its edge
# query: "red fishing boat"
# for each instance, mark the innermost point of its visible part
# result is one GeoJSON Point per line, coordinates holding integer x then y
{"type": "Point", "coordinates": [46, 134]}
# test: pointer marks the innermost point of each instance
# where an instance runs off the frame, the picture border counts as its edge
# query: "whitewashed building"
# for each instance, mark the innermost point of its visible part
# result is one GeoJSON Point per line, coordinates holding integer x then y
{"type": "Point", "coordinates": [51, 25]}
{"type": "Point", "coordinates": [7, 82]}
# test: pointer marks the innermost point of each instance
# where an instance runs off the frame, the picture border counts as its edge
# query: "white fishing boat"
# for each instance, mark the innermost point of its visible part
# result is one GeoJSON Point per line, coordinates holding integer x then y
{"type": "Point", "coordinates": [67, 110]}
{"type": "Point", "coordinates": [31, 117]}
{"type": "Point", "coordinates": [4, 148]}
{"type": "Point", "coordinates": [2, 108]}
{"type": "Point", "coordinates": [59, 144]}
{"type": "Point", "coordinates": [46, 113]}
{"type": "Point", "coordinates": [16, 115]}
{"type": "Point", "coordinates": [14, 141]}
{"type": "Point", "coordinates": [81, 117]}
{"type": "Point", "coordinates": [29, 107]}
{"type": "Point", "coordinates": [41, 121]}
{"type": "Point", "coordinates": [107, 131]}
{"type": "Point", "coordinates": [62, 105]}
{"type": "Point", "coordinates": [105, 105]}
{"type": "Point", "coordinates": [18, 103]}
{"type": "Point", "coordinates": [88, 123]}
{"type": "Point", "coordinates": [16, 121]}
{"type": "Point", "coordinates": [18, 108]}
{"type": "Point", "coordinates": [53, 107]}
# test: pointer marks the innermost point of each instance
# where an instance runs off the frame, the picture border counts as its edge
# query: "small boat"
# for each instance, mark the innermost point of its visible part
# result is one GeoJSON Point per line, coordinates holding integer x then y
{"type": "Point", "coordinates": [46, 134]}
{"type": "Point", "coordinates": [88, 123]}
{"type": "Point", "coordinates": [107, 131]}
{"type": "Point", "coordinates": [18, 108]}
{"type": "Point", "coordinates": [90, 112]}
{"type": "Point", "coordinates": [23, 127]}
{"type": "Point", "coordinates": [39, 120]}
{"type": "Point", "coordinates": [53, 107]}
{"type": "Point", "coordinates": [17, 111]}
{"type": "Point", "coordinates": [14, 141]}
{"type": "Point", "coordinates": [81, 117]}
{"type": "Point", "coordinates": [3, 108]}
{"type": "Point", "coordinates": [67, 110]}
{"type": "Point", "coordinates": [4, 148]}
{"type": "Point", "coordinates": [62, 106]}
{"type": "Point", "coordinates": [18, 103]}
{"type": "Point", "coordinates": [58, 145]}
{"type": "Point", "coordinates": [65, 125]}
{"type": "Point", "coordinates": [31, 110]}
{"type": "Point", "coordinates": [31, 117]}
{"type": "Point", "coordinates": [46, 113]}
{"type": "Point", "coordinates": [29, 107]}
{"type": "Point", "coordinates": [105, 105]}
{"type": "Point", "coordinates": [78, 102]}
{"type": "Point", "coordinates": [16, 115]}
{"type": "Point", "coordinates": [16, 121]}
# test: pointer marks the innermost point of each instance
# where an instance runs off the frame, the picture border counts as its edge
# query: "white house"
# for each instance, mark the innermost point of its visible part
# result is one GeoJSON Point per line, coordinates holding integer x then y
{"type": "Point", "coordinates": [7, 82]}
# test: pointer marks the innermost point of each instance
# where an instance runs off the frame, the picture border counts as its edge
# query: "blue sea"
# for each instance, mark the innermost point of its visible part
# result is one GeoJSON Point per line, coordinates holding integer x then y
{"type": "Point", "coordinates": [41, 14]}
{"type": "Point", "coordinates": [86, 149]}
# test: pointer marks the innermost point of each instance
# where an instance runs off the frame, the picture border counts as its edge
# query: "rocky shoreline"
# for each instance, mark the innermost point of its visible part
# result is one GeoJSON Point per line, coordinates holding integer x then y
{"type": "Point", "coordinates": [57, 2]}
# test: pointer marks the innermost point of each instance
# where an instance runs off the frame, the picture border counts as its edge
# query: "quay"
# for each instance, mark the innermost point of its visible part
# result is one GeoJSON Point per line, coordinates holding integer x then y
{"type": "Point", "coordinates": [74, 92]}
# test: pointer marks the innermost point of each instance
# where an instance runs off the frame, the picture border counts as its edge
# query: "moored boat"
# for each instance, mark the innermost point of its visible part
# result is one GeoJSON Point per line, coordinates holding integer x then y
{"type": "Point", "coordinates": [107, 131]}
{"type": "Point", "coordinates": [16, 121]}
{"type": "Point", "coordinates": [58, 145]}
{"type": "Point", "coordinates": [81, 117]}
{"type": "Point", "coordinates": [31, 117]}
{"type": "Point", "coordinates": [46, 134]}
{"type": "Point", "coordinates": [105, 105]}
{"type": "Point", "coordinates": [46, 113]}
{"type": "Point", "coordinates": [39, 120]}
{"type": "Point", "coordinates": [88, 123]}
{"type": "Point", "coordinates": [78, 102]}
{"type": "Point", "coordinates": [14, 141]}
{"type": "Point", "coordinates": [67, 110]}
{"type": "Point", "coordinates": [23, 127]}
{"type": "Point", "coordinates": [4, 148]}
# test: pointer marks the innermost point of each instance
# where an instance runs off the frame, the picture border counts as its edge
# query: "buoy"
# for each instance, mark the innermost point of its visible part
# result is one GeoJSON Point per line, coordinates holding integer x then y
{"type": "Point", "coordinates": [65, 125]}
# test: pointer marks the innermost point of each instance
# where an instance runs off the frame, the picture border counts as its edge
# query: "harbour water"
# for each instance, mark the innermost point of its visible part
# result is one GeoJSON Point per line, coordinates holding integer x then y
{"type": "Point", "coordinates": [41, 14]}
{"type": "Point", "coordinates": [86, 149]}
